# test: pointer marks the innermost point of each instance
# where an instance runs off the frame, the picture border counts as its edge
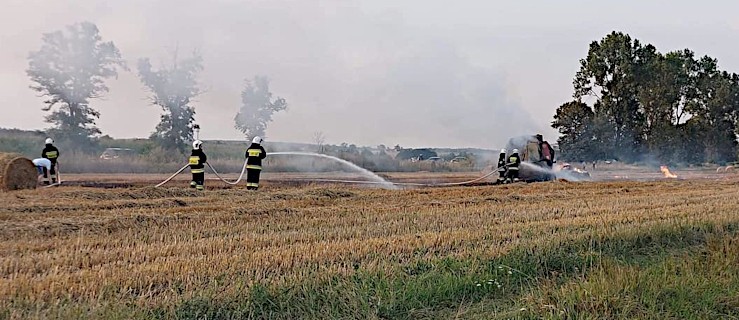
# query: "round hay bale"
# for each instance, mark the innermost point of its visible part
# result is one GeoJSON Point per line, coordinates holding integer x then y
{"type": "Point", "coordinates": [17, 172]}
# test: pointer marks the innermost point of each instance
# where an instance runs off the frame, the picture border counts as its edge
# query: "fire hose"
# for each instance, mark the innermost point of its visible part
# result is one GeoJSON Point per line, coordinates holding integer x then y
{"type": "Point", "coordinates": [58, 178]}
{"type": "Point", "coordinates": [243, 169]}
{"type": "Point", "coordinates": [172, 176]}
{"type": "Point", "coordinates": [409, 184]}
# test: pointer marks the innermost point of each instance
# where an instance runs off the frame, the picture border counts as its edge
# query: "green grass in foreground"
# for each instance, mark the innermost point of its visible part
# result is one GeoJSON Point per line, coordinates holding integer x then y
{"type": "Point", "coordinates": [657, 272]}
{"type": "Point", "coordinates": [683, 272]}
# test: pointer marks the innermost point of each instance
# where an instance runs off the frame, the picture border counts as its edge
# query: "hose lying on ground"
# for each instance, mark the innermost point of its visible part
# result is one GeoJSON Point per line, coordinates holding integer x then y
{"type": "Point", "coordinates": [58, 178]}
{"type": "Point", "coordinates": [409, 184]}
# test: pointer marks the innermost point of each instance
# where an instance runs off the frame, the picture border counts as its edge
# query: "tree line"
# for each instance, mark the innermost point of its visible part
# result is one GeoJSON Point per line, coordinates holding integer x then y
{"type": "Point", "coordinates": [633, 103]}
{"type": "Point", "coordinates": [72, 66]}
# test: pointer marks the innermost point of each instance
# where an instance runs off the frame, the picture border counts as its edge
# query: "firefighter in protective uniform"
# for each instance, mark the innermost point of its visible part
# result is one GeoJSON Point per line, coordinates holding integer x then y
{"type": "Point", "coordinates": [514, 161]}
{"type": "Point", "coordinates": [502, 165]}
{"type": "Point", "coordinates": [254, 155]}
{"type": "Point", "coordinates": [197, 165]}
{"type": "Point", "coordinates": [52, 153]}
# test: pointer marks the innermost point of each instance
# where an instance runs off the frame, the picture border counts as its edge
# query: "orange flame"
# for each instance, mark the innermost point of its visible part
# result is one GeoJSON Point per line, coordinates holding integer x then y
{"type": "Point", "coordinates": [666, 172]}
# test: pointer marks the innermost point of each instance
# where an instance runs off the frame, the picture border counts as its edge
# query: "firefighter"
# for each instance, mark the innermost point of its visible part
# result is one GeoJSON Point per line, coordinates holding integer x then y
{"type": "Point", "coordinates": [52, 153]}
{"type": "Point", "coordinates": [513, 163]}
{"type": "Point", "coordinates": [254, 155]}
{"type": "Point", "coordinates": [502, 165]}
{"type": "Point", "coordinates": [42, 167]}
{"type": "Point", "coordinates": [197, 165]}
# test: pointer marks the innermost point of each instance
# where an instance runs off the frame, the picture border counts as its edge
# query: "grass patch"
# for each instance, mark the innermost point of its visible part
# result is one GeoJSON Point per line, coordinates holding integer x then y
{"type": "Point", "coordinates": [651, 273]}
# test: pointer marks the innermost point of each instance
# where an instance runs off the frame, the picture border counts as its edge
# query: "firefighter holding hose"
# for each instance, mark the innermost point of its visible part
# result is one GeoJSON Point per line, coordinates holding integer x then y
{"type": "Point", "coordinates": [197, 165]}
{"type": "Point", "coordinates": [254, 155]}
{"type": "Point", "coordinates": [514, 161]}
{"type": "Point", "coordinates": [502, 166]}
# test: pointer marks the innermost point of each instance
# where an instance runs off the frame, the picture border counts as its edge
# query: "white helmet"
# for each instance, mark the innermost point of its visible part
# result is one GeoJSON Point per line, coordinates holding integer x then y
{"type": "Point", "coordinates": [257, 140]}
{"type": "Point", "coordinates": [502, 151]}
{"type": "Point", "coordinates": [197, 144]}
{"type": "Point", "coordinates": [515, 150]}
{"type": "Point", "coordinates": [49, 141]}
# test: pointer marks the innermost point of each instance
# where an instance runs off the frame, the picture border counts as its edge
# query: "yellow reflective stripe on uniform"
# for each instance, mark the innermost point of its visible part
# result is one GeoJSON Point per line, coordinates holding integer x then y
{"type": "Point", "coordinates": [194, 160]}
{"type": "Point", "coordinates": [251, 166]}
{"type": "Point", "coordinates": [52, 154]}
{"type": "Point", "coordinates": [254, 152]}
{"type": "Point", "coordinates": [252, 184]}
{"type": "Point", "coordinates": [197, 170]}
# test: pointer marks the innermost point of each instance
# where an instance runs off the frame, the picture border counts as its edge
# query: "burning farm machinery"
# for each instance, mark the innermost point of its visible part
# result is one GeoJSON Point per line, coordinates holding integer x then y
{"type": "Point", "coordinates": [538, 161]}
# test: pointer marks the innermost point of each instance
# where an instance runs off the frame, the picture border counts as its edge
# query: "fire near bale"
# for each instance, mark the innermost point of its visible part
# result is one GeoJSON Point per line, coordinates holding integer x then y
{"type": "Point", "coordinates": [17, 172]}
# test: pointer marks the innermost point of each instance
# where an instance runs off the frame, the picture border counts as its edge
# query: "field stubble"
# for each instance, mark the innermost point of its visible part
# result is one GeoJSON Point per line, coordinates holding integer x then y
{"type": "Point", "coordinates": [154, 248]}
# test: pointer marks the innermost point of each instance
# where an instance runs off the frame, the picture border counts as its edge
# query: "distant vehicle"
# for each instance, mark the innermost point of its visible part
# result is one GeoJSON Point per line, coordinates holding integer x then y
{"type": "Point", "coordinates": [115, 153]}
{"type": "Point", "coordinates": [434, 159]}
{"type": "Point", "coordinates": [459, 159]}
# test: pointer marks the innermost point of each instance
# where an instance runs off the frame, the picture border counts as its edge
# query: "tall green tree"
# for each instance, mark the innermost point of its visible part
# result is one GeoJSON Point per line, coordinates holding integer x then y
{"type": "Point", "coordinates": [715, 111]}
{"type": "Point", "coordinates": [666, 86]}
{"type": "Point", "coordinates": [257, 107]}
{"type": "Point", "coordinates": [172, 88]}
{"type": "Point", "coordinates": [69, 70]}
{"type": "Point", "coordinates": [651, 106]}
{"type": "Point", "coordinates": [609, 73]}
{"type": "Point", "coordinates": [575, 122]}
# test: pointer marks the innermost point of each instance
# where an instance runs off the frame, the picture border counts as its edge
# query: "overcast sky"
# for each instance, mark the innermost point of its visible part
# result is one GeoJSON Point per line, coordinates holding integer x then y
{"type": "Point", "coordinates": [410, 72]}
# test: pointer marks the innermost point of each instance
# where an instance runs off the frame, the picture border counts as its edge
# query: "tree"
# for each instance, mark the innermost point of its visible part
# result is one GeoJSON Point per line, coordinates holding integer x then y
{"type": "Point", "coordinates": [715, 111]}
{"type": "Point", "coordinates": [173, 88]}
{"type": "Point", "coordinates": [609, 73]}
{"type": "Point", "coordinates": [650, 106]}
{"type": "Point", "coordinates": [320, 139]}
{"type": "Point", "coordinates": [665, 88]}
{"type": "Point", "coordinates": [574, 120]}
{"type": "Point", "coordinates": [69, 70]}
{"type": "Point", "coordinates": [257, 107]}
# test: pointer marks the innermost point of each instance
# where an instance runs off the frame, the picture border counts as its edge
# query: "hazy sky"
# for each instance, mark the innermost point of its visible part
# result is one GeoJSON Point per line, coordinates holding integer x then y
{"type": "Point", "coordinates": [414, 72]}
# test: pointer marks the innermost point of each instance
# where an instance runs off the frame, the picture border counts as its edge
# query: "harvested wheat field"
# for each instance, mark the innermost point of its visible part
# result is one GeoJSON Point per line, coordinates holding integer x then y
{"type": "Point", "coordinates": [619, 249]}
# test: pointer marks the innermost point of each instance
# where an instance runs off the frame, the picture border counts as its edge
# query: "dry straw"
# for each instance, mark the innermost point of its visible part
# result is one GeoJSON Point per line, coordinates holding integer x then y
{"type": "Point", "coordinates": [16, 172]}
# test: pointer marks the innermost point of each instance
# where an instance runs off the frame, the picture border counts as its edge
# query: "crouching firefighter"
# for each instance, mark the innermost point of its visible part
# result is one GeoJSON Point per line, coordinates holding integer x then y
{"type": "Point", "coordinates": [513, 163]}
{"type": "Point", "coordinates": [197, 165]}
{"type": "Point", "coordinates": [502, 166]}
{"type": "Point", "coordinates": [254, 156]}
{"type": "Point", "coordinates": [43, 166]}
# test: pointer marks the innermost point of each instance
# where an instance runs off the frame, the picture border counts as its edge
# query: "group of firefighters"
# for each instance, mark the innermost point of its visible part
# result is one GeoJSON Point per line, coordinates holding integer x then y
{"type": "Point", "coordinates": [508, 165]}
{"type": "Point", "coordinates": [47, 164]}
{"type": "Point", "coordinates": [254, 155]}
